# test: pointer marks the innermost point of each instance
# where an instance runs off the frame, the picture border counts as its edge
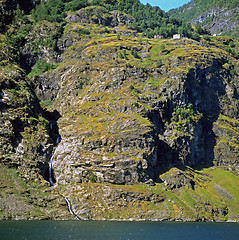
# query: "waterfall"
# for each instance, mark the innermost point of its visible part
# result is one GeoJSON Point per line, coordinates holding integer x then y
{"type": "Point", "coordinates": [50, 163]}
{"type": "Point", "coordinates": [50, 177]}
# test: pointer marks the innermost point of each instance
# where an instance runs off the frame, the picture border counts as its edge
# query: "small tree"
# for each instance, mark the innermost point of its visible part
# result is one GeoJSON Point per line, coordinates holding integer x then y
{"type": "Point", "coordinates": [162, 47]}
{"type": "Point", "coordinates": [118, 36]}
{"type": "Point", "coordinates": [196, 36]}
{"type": "Point", "coordinates": [135, 53]}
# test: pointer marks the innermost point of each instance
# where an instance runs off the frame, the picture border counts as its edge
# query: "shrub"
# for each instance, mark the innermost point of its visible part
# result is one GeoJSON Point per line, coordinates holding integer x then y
{"type": "Point", "coordinates": [159, 63]}
{"type": "Point", "coordinates": [51, 10]}
{"type": "Point", "coordinates": [135, 53]}
{"type": "Point", "coordinates": [83, 31]}
{"type": "Point", "coordinates": [188, 114]}
{"type": "Point", "coordinates": [118, 36]}
{"type": "Point", "coordinates": [207, 37]}
{"type": "Point", "coordinates": [40, 67]}
{"type": "Point", "coordinates": [162, 47]}
{"type": "Point", "coordinates": [121, 55]}
{"type": "Point", "coordinates": [76, 5]}
{"type": "Point", "coordinates": [195, 36]}
{"type": "Point", "coordinates": [232, 44]}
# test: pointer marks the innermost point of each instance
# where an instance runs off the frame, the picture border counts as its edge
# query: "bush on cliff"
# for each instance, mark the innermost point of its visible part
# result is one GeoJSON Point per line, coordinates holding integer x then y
{"type": "Point", "coordinates": [40, 67]}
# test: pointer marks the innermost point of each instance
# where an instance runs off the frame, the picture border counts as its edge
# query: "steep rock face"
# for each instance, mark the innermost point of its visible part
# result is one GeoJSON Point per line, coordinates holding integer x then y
{"type": "Point", "coordinates": [41, 43]}
{"type": "Point", "coordinates": [99, 15]}
{"type": "Point", "coordinates": [117, 111]}
{"type": "Point", "coordinates": [46, 88]}
{"type": "Point", "coordinates": [219, 17]}
{"type": "Point", "coordinates": [219, 20]}
{"type": "Point", "coordinates": [123, 123]}
{"type": "Point", "coordinates": [25, 140]}
{"type": "Point", "coordinates": [101, 146]}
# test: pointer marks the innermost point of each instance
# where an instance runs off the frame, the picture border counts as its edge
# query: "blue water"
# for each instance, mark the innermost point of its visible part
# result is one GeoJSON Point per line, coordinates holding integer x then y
{"type": "Point", "coordinates": [103, 230]}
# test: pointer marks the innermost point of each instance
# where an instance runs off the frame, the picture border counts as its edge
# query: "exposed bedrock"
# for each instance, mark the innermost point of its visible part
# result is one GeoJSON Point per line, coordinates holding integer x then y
{"type": "Point", "coordinates": [107, 136]}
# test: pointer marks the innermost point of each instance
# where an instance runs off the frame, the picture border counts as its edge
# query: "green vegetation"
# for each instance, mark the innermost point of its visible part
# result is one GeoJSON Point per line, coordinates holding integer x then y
{"type": "Point", "coordinates": [29, 200]}
{"type": "Point", "coordinates": [40, 67]}
{"type": "Point", "coordinates": [16, 38]}
{"type": "Point", "coordinates": [149, 20]}
{"type": "Point", "coordinates": [232, 33]}
{"type": "Point", "coordinates": [77, 4]}
{"type": "Point", "coordinates": [51, 10]}
{"type": "Point", "coordinates": [83, 31]}
{"type": "Point", "coordinates": [135, 53]}
{"type": "Point", "coordinates": [189, 114]}
{"type": "Point", "coordinates": [6, 16]}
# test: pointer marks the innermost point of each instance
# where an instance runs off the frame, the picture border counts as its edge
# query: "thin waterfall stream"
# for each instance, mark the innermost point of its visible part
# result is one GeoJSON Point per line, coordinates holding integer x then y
{"type": "Point", "coordinates": [50, 171]}
{"type": "Point", "coordinates": [57, 140]}
{"type": "Point", "coordinates": [50, 163]}
{"type": "Point", "coordinates": [56, 134]}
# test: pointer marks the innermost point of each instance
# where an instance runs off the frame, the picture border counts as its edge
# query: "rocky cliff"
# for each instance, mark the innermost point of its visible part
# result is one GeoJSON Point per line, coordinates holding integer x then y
{"type": "Point", "coordinates": [120, 116]}
{"type": "Point", "coordinates": [220, 17]}
{"type": "Point", "coordinates": [219, 20]}
{"type": "Point", "coordinates": [135, 128]}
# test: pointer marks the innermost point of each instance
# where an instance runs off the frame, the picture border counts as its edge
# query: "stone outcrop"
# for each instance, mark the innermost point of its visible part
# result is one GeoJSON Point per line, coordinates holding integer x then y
{"type": "Point", "coordinates": [126, 121]}
{"type": "Point", "coordinates": [112, 132]}
{"type": "Point", "coordinates": [24, 133]}
{"type": "Point", "coordinates": [99, 15]}
{"type": "Point", "coordinates": [220, 20]}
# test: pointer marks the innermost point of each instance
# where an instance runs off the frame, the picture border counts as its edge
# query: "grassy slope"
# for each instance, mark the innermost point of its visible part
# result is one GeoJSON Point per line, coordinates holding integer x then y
{"type": "Point", "coordinates": [28, 200]}
{"type": "Point", "coordinates": [205, 202]}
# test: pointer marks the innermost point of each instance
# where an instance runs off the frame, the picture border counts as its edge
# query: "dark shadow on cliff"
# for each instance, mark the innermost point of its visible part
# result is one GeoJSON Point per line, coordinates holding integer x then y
{"type": "Point", "coordinates": [53, 117]}
{"type": "Point", "coordinates": [202, 88]}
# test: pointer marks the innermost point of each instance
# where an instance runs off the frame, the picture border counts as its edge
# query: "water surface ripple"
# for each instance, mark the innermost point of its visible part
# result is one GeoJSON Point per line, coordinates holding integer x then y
{"type": "Point", "coordinates": [112, 230]}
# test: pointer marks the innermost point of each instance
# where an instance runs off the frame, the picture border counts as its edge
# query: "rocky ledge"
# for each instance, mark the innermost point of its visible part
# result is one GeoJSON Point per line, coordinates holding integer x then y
{"type": "Point", "coordinates": [133, 128]}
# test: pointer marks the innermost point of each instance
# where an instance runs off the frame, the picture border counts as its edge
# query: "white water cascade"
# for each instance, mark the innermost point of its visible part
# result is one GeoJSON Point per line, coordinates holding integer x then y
{"type": "Point", "coordinates": [50, 167]}
{"type": "Point", "coordinates": [57, 140]}
{"type": "Point", "coordinates": [50, 162]}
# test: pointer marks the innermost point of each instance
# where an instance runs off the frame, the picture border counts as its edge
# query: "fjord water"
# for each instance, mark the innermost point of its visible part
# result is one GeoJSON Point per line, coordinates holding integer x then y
{"type": "Point", "coordinates": [104, 230]}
